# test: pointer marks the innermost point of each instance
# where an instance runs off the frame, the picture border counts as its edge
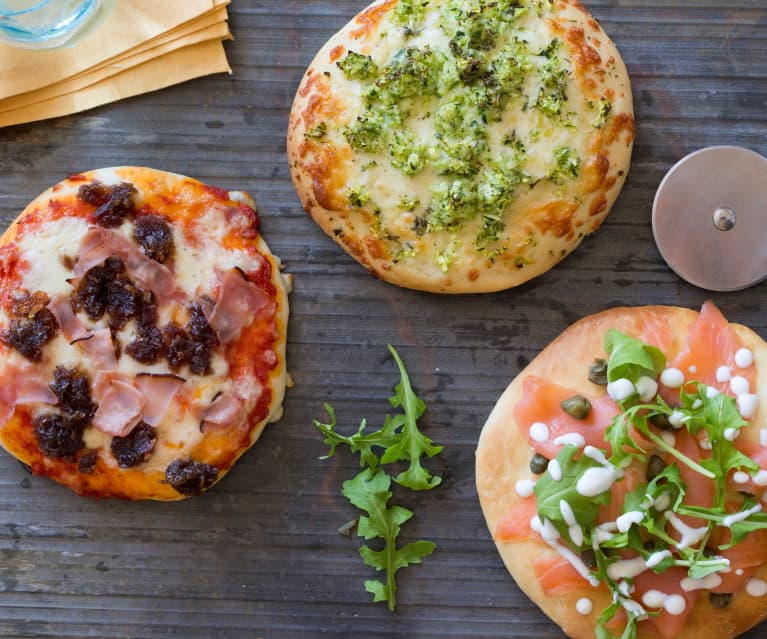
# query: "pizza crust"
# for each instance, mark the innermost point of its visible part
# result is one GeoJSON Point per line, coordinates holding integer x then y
{"type": "Point", "coordinates": [503, 457]}
{"type": "Point", "coordinates": [170, 195]}
{"type": "Point", "coordinates": [544, 222]}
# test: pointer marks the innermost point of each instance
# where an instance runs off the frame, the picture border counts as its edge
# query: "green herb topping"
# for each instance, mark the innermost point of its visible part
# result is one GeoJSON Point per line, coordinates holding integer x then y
{"type": "Point", "coordinates": [400, 440]}
{"type": "Point", "coordinates": [581, 479]}
{"type": "Point", "coordinates": [432, 108]}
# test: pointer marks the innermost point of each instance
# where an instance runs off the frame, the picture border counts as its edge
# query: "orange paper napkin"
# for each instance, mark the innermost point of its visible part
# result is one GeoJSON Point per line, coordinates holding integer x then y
{"type": "Point", "coordinates": [139, 46]}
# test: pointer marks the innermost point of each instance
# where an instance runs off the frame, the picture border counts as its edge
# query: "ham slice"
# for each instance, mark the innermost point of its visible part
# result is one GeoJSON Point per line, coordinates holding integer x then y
{"type": "Point", "coordinates": [239, 300]}
{"type": "Point", "coordinates": [71, 327]}
{"type": "Point", "coordinates": [99, 347]}
{"type": "Point", "coordinates": [120, 408]}
{"type": "Point", "coordinates": [221, 412]}
{"type": "Point", "coordinates": [100, 244]}
{"type": "Point", "coordinates": [22, 385]}
{"type": "Point", "coordinates": [158, 392]}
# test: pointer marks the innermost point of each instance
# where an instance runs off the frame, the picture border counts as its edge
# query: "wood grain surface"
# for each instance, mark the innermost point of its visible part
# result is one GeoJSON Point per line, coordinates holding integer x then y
{"type": "Point", "coordinates": [259, 556]}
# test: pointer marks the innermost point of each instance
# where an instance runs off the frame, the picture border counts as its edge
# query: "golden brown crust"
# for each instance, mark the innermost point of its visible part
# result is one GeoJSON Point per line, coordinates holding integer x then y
{"type": "Point", "coordinates": [180, 199]}
{"type": "Point", "coordinates": [543, 224]}
{"type": "Point", "coordinates": [503, 456]}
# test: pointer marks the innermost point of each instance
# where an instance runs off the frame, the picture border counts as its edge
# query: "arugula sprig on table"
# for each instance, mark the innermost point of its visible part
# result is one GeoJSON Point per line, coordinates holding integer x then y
{"type": "Point", "coordinates": [398, 440]}
{"type": "Point", "coordinates": [702, 412]}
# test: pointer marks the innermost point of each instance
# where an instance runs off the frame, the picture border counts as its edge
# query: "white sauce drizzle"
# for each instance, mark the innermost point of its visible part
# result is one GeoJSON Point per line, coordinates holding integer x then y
{"type": "Point", "coordinates": [731, 434]}
{"type": "Point", "coordinates": [756, 587]}
{"type": "Point", "coordinates": [524, 487]}
{"type": "Point", "coordinates": [741, 516]}
{"type": "Point", "coordinates": [626, 520]}
{"type": "Point", "coordinates": [711, 392]}
{"type": "Point", "coordinates": [570, 439]}
{"type": "Point", "coordinates": [740, 477]}
{"type": "Point", "coordinates": [739, 385]}
{"type": "Point", "coordinates": [555, 470]}
{"type": "Point", "coordinates": [760, 478]}
{"type": "Point", "coordinates": [567, 554]}
{"type": "Point", "coordinates": [596, 481]}
{"type": "Point", "coordinates": [672, 378]}
{"type": "Point", "coordinates": [690, 536]}
{"type": "Point", "coordinates": [692, 369]}
{"type": "Point", "coordinates": [656, 558]}
{"type": "Point", "coordinates": [539, 432]}
{"type": "Point", "coordinates": [567, 512]}
{"type": "Point", "coordinates": [705, 583]}
{"type": "Point", "coordinates": [626, 568]}
{"type": "Point", "coordinates": [647, 388]}
{"type": "Point", "coordinates": [747, 405]}
{"type": "Point", "coordinates": [668, 437]}
{"type": "Point", "coordinates": [744, 358]}
{"type": "Point", "coordinates": [584, 606]}
{"type": "Point", "coordinates": [576, 534]}
{"type": "Point", "coordinates": [723, 374]}
{"type": "Point", "coordinates": [676, 419]}
{"type": "Point", "coordinates": [662, 502]}
{"type": "Point", "coordinates": [620, 389]}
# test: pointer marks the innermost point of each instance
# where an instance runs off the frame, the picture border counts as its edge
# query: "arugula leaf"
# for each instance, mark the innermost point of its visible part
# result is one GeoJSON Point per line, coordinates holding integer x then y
{"type": "Point", "coordinates": [369, 491]}
{"type": "Point", "coordinates": [400, 440]}
{"type": "Point", "coordinates": [409, 443]}
{"type": "Point", "coordinates": [631, 358]}
{"type": "Point", "coordinates": [550, 493]}
{"type": "Point", "coordinates": [400, 437]}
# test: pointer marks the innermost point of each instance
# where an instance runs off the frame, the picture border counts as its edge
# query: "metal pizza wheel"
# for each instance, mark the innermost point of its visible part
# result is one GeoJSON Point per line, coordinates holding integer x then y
{"type": "Point", "coordinates": [709, 218]}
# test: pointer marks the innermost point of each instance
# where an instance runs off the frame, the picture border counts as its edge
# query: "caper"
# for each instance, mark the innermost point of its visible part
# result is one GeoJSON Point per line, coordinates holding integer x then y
{"type": "Point", "coordinates": [576, 406]}
{"type": "Point", "coordinates": [589, 558]}
{"type": "Point", "coordinates": [709, 552]}
{"type": "Point", "coordinates": [598, 372]}
{"type": "Point", "coordinates": [720, 600]}
{"type": "Point", "coordinates": [655, 467]}
{"type": "Point", "coordinates": [538, 464]}
{"type": "Point", "coordinates": [661, 421]}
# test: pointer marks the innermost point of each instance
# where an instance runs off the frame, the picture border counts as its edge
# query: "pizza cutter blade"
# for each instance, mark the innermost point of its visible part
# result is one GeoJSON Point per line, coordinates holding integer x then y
{"type": "Point", "coordinates": [709, 218]}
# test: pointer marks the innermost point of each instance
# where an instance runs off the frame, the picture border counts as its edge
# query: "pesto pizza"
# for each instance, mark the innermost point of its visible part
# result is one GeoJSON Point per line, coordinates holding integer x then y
{"type": "Point", "coordinates": [142, 333]}
{"type": "Point", "coordinates": [462, 145]}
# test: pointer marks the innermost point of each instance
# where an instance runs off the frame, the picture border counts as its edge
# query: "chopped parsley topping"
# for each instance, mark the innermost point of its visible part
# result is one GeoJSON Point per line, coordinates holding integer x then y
{"type": "Point", "coordinates": [356, 66]}
{"type": "Point", "coordinates": [431, 107]}
{"type": "Point", "coordinates": [318, 132]}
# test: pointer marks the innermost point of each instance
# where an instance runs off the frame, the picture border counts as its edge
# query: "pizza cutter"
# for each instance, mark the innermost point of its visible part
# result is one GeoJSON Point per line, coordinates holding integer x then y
{"type": "Point", "coordinates": [709, 218]}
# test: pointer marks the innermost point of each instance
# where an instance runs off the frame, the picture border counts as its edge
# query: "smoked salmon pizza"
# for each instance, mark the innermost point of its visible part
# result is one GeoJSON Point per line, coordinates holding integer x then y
{"type": "Point", "coordinates": [462, 146]}
{"type": "Point", "coordinates": [142, 333]}
{"type": "Point", "coordinates": [623, 476]}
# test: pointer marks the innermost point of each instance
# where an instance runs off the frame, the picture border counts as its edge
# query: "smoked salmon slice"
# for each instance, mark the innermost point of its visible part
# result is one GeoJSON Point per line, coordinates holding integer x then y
{"type": "Point", "coordinates": [515, 526]}
{"type": "Point", "coordinates": [541, 403]}
{"type": "Point", "coordinates": [557, 576]}
{"type": "Point", "coordinates": [669, 582]}
{"type": "Point", "coordinates": [711, 343]}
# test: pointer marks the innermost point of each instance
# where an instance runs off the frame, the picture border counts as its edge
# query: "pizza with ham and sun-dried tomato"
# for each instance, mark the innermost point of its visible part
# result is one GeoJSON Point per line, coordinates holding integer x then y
{"type": "Point", "coordinates": [142, 333]}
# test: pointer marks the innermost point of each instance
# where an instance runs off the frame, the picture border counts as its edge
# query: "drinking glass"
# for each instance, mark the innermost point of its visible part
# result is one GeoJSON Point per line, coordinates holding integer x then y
{"type": "Point", "coordinates": [44, 24]}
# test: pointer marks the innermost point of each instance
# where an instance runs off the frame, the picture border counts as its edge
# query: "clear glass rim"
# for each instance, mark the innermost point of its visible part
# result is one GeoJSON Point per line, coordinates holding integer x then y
{"type": "Point", "coordinates": [21, 12]}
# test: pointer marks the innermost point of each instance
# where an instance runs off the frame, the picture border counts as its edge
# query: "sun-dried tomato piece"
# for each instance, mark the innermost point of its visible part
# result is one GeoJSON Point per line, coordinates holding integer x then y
{"type": "Point", "coordinates": [136, 447]}
{"type": "Point", "coordinates": [154, 237]}
{"type": "Point", "coordinates": [29, 335]}
{"type": "Point", "coordinates": [190, 477]}
{"type": "Point", "coordinates": [114, 202]}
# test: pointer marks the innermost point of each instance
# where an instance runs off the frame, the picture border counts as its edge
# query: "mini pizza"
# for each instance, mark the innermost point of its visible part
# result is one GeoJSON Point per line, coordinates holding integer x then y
{"type": "Point", "coordinates": [623, 475]}
{"type": "Point", "coordinates": [142, 333]}
{"type": "Point", "coordinates": [462, 146]}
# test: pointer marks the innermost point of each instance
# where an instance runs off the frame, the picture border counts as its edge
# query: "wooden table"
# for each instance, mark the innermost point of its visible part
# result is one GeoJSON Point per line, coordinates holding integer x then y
{"type": "Point", "coordinates": [260, 556]}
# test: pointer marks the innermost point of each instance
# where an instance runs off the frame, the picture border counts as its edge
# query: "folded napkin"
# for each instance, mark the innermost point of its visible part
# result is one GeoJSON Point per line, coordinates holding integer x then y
{"type": "Point", "coordinates": [140, 46]}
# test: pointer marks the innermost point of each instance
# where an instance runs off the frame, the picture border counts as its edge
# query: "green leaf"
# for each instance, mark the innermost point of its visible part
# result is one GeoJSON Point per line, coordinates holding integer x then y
{"type": "Point", "coordinates": [550, 493]}
{"type": "Point", "coordinates": [410, 443]}
{"type": "Point", "coordinates": [370, 491]}
{"type": "Point", "coordinates": [358, 443]}
{"type": "Point", "coordinates": [631, 358]}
